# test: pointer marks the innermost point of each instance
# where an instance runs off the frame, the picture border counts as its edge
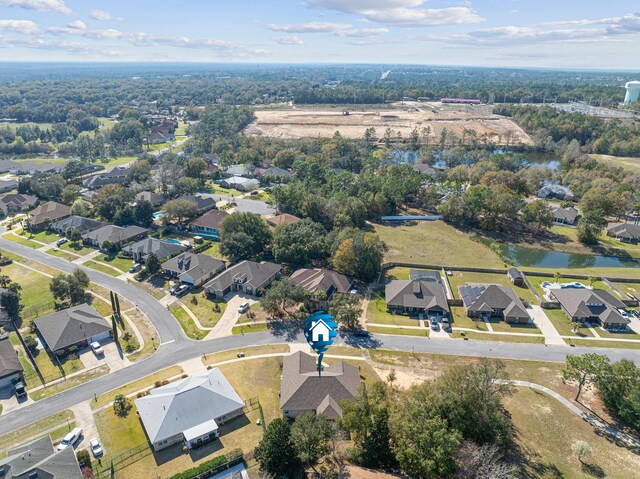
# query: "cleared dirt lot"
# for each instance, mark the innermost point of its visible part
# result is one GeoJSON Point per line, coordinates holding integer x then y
{"type": "Point", "coordinates": [323, 121]}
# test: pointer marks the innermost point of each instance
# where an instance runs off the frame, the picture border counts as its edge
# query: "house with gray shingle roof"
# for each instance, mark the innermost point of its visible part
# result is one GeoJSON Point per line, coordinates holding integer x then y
{"type": "Point", "coordinates": [320, 280]}
{"type": "Point", "coordinates": [77, 326]}
{"type": "Point", "coordinates": [189, 410]}
{"type": "Point", "coordinates": [155, 199]}
{"type": "Point", "coordinates": [303, 390]}
{"type": "Point", "coordinates": [246, 277]}
{"type": "Point", "coordinates": [115, 176]}
{"type": "Point", "coordinates": [191, 268]}
{"type": "Point", "coordinates": [114, 234]}
{"type": "Point", "coordinates": [565, 216]}
{"type": "Point", "coordinates": [82, 224]}
{"type": "Point", "coordinates": [625, 232]}
{"type": "Point", "coordinates": [17, 203]}
{"type": "Point", "coordinates": [416, 297]}
{"type": "Point", "coordinates": [493, 301]}
{"type": "Point", "coordinates": [10, 367]}
{"type": "Point", "coordinates": [595, 306]}
{"type": "Point", "coordinates": [38, 460]}
{"type": "Point", "coordinates": [161, 248]}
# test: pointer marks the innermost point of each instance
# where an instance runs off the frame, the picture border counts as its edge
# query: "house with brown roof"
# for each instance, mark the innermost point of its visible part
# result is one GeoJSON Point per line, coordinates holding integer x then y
{"type": "Point", "coordinates": [209, 223]}
{"type": "Point", "coordinates": [17, 203]}
{"type": "Point", "coordinates": [279, 220]}
{"type": "Point", "coordinates": [487, 301]}
{"type": "Point", "coordinates": [322, 284]}
{"type": "Point", "coordinates": [414, 297]}
{"type": "Point", "coordinates": [304, 390]}
{"type": "Point", "coordinates": [163, 132]}
{"type": "Point", "coordinates": [594, 306]}
{"type": "Point", "coordinates": [45, 214]}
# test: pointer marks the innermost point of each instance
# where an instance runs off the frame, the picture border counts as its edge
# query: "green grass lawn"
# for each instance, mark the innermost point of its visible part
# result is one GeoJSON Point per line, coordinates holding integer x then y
{"type": "Point", "coordinates": [459, 278]}
{"type": "Point", "coordinates": [564, 326]}
{"type": "Point", "coordinates": [629, 334]}
{"type": "Point", "coordinates": [203, 309]}
{"type": "Point", "coordinates": [398, 331]}
{"type": "Point", "coordinates": [216, 188]}
{"type": "Point", "coordinates": [209, 359]}
{"type": "Point", "coordinates": [630, 163]}
{"type": "Point", "coordinates": [250, 328]}
{"type": "Point", "coordinates": [52, 368]}
{"type": "Point", "coordinates": [23, 240]}
{"type": "Point", "coordinates": [262, 196]}
{"type": "Point", "coordinates": [62, 254]}
{"type": "Point", "coordinates": [37, 429]}
{"type": "Point", "coordinates": [123, 264]}
{"type": "Point", "coordinates": [461, 320]}
{"type": "Point", "coordinates": [13, 125]}
{"type": "Point", "coordinates": [102, 268]}
{"type": "Point", "coordinates": [377, 312]}
{"type": "Point", "coordinates": [119, 434]}
{"type": "Point", "coordinates": [69, 383]}
{"type": "Point", "coordinates": [498, 337]}
{"type": "Point", "coordinates": [37, 299]}
{"type": "Point", "coordinates": [628, 288]}
{"type": "Point", "coordinates": [603, 344]}
{"type": "Point", "coordinates": [437, 243]}
{"type": "Point", "coordinates": [501, 326]}
{"type": "Point", "coordinates": [214, 251]}
{"type": "Point", "coordinates": [188, 325]}
{"type": "Point", "coordinates": [76, 248]}
{"type": "Point", "coordinates": [46, 237]}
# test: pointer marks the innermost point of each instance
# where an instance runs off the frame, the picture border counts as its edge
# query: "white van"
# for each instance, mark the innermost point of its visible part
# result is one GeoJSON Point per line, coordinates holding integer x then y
{"type": "Point", "coordinates": [70, 439]}
{"type": "Point", "coordinates": [243, 308]}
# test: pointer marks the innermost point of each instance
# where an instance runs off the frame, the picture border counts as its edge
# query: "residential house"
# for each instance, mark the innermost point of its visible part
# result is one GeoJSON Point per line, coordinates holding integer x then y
{"type": "Point", "coordinates": [625, 232]}
{"type": "Point", "coordinates": [116, 235]}
{"type": "Point", "coordinates": [279, 220]}
{"type": "Point", "coordinates": [424, 169]}
{"type": "Point", "coordinates": [74, 327]}
{"type": "Point", "coordinates": [25, 168]}
{"type": "Point", "coordinates": [322, 283]}
{"type": "Point", "coordinates": [8, 185]}
{"type": "Point", "coordinates": [209, 223]}
{"type": "Point", "coordinates": [493, 301]}
{"type": "Point", "coordinates": [11, 369]}
{"type": "Point", "coordinates": [162, 133]}
{"type": "Point", "coordinates": [246, 277]}
{"type": "Point", "coordinates": [115, 176]}
{"type": "Point", "coordinates": [82, 224]}
{"type": "Point", "coordinates": [39, 460]}
{"type": "Point", "coordinates": [237, 170]}
{"type": "Point", "coordinates": [193, 269]}
{"type": "Point", "coordinates": [416, 297]}
{"type": "Point", "coordinates": [273, 173]}
{"type": "Point", "coordinates": [304, 390]}
{"type": "Point", "coordinates": [240, 183]}
{"type": "Point", "coordinates": [42, 216]}
{"type": "Point", "coordinates": [557, 192]}
{"type": "Point", "coordinates": [595, 306]}
{"type": "Point", "coordinates": [565, 216]}
{"type": "Point", "coordinates": [515, 277]}
{"type": "Point", "coordinates": [163, 249]}
{"type": "Point", "coordinates": [204, 203]}
{"type": "Point", "coordinates": [155, 199]}
{"type": "Point", "coordinates": [17, 203]}
{"type": "Point", "coordinates": [189, 410]}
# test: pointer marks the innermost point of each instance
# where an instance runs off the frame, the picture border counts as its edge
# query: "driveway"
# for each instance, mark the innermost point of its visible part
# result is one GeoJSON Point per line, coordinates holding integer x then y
{"type": "Point", "coordinates": [544, 324]}
{"type": "Point", "coordinates": [85, 421]}
{"type": "Point", "coordinates": [10, 402]}
{"type": "Point", "coordinates": [230, 316]}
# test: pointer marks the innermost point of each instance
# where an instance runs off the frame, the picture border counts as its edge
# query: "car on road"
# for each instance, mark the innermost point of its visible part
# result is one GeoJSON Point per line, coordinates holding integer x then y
{"type": "Point", "coordinates": [21, 392]}
{"type": "Point", "coordinates": [243, 308]}
{"type": "Point", "coordinates": [182, 290]}
{"type": "Point", "coordinates": [70, 439]}
{"type": "Point", "coordinates": [361, 333]}
{"type": "Point", "coordinates": [96, 448]}
{"type": "Point", "coordinates": [97, 349]}
{"type": "Point", "coordinates": [135, 268]}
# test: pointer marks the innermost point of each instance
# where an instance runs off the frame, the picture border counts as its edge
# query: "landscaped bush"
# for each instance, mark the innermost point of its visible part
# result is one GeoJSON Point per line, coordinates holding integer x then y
{"type": "Point", "coordinates": [83, 457]}
{"type": "Point", "coordinates": [31, 343]}
{"type": "Point", "coordinates": [206, 468]}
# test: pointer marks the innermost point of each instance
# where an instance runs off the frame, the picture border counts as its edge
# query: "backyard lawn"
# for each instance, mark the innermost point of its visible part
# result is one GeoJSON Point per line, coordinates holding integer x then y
{"type": "Point", "coordinates": [214, 251]}
{"type": "Point", "coordinates": [377, 312]}
{"type": "Point", "coordinates": [458, 278]}
{"type": "Point", "coordinates": [188, 325]}
{"type": "Point", "coordinates": [628, 288]}
{"type": "Point", "coordinates": [436, 243]}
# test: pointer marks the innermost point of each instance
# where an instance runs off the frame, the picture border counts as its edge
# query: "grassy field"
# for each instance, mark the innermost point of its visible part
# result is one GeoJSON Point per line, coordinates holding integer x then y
{"type": "Point", "coordinates": [37, 429]}
{"type": "Point", "coordinates": [398, 331]}
{"type": "Point", "coordinates": [102, 268]}
{"type": "Point", "coordinates": [203, 309]}
{"type": "Point", "coordinates": [377, 312]}
{"type": "Point", "coordinates": [461, 320]}
{"type": "Point", "coordinates": [69, 383]}
{"type": "Point", "coordinates": [231, 354]}
{"type": "Point", "coordinates": [188, 325]}
{"type": "Point", "coordinates": [459, 278]}
{"type": "Point", "coordinates": [37, 299]}
{"type": "Point", "coordinates": [435, 242]}
{"type": "Point", "coordinates": [250, 328]}
{"type": "Point", "coordinates": [628, 288]}
{"type": "Point", "coordinates": [60, 253]}
{"type": "Point", "coordinates": [564, 326]}
{"type": "Point", "coordinates": [602, 344]}
{"type": "Point", "coordinates": [498, 337]}
{"type": "Point", "coordinates": [23, 240]}
{"type": "Point", "coordinates": [630, 163]}
{"type": "Point", "coordinates": [76, 248]}
{"type": "Point", "coordinates": [123, 264]}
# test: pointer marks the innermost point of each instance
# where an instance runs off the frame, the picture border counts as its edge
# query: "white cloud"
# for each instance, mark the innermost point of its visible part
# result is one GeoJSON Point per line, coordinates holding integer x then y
{"type": "Point", "coordinates": [77, 24]}
{"type": "Point", "coordinates": [289, 40]}
{"type": "Point", "coordinates": [61, 46]}
{"type": "Point", "coordinates": [405, 13]}
{"type": "Point", "coordinates": [26, 27]}
{"type": "Point", "coordinates": [87, 33]}
{"type": "Point", "coordinates": [338, 29]}
{"type": "Point", "coordinates": [102, 15]}
{"type": "Point", "coordinates": [40, 5]}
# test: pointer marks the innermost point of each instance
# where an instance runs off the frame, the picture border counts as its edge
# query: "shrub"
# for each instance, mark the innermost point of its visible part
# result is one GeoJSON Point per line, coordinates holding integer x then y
{"type": "Point", "coordinates": [157, 384]}
{"type": "Point", "coordinates": [83, 457]}
{"type": "Point", "coordinates": [165, 382]}
{"type": "Point", "coordinates": [194, 300]}
{"type": "Point", "coordinates": [126, 336]}
{"type": "Point", "coordinates": [31, 343]}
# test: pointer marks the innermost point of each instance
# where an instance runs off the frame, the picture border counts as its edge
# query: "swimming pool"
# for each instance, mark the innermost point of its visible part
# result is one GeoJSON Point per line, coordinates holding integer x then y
{"type": "Point", "coordinates": [158, 214]}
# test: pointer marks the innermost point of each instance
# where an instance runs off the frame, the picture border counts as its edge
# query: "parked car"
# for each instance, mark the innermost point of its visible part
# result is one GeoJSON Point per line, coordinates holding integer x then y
{"type": "Point", "coordinates": [174, 288]}
{"type": "Point", "coordinates": [435, 326]}
{"type": "Point", "coordinates": [61, 241]}
{"type": "Point", "coordinates": [97, 349]}
{"type": "Point", "coordinates": [135, 268]}
{"type": "Point", "coordinates": [95, 447]}
{"type": "Point", "coordinates": [361, 333]}
{"type": "Point", "coordinates": [636, 313]}
{"type": "Point", "coordinates": [243, 308]}
{"type": "Point", "coordinates": [21, 392]}
{"type": "Point", "coordinates": [70, 439]}
{"type": "Point", "coordinates": [182, 290]}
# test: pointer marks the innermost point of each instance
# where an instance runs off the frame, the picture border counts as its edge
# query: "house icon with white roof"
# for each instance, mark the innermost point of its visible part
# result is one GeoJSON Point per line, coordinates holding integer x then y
{"type": "Point", "coordinates": [320, 331]}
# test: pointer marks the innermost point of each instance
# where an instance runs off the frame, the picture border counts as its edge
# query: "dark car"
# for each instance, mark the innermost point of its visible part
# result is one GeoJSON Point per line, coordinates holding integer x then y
{"type": "Point", "coordinates": [361, 333]}
{"type": "Point", "coordinates": [636, 312]}
{"type": "Point", "coordinates": [182, 290]}
{"type": "Point", "coordinates": [21, 392]}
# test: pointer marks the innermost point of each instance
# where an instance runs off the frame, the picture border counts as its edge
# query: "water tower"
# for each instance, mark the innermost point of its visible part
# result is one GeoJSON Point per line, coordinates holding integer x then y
{"type": "Point", "coordinates": [633, 92]}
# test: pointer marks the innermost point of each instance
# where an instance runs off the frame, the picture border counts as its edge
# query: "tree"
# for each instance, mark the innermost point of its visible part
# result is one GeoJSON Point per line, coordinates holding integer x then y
{"type": "Point", "coordinates": [285, 158]}
{"type": "Point", "coordinates": [282, 294]}
{"type": "Point", "coordinates": [482, 462]}
{"type": "Point", "coordinates": [346, 310]}
{"type": "Point", "coordinates": [581, 449]}
{"type": "Point", "coordinates": [153, 264]}
{"type": "Point", "coordinates": [110, 200]}
{"type": "Point", "coordinates": [4, 281]}
{"type": "Point", "coordinates": [538, 214]}
{"type": "Point", "coordinates": [311, 434]}
{"type": "Point", "coordinates": [556, 276]}
{"type": "Point", "coordinates": [619, 387]}
{"type": "Point", "coordinates": [244, 236]}
{"type": "Point", "coordinates": [32, 343]}
{"type": "Point", "coordinates": [10, 300]}
{"type": "Point", "coordinates": [360, 256]}
{"type": "Point", "coordinates": [584, 369]}
{"type": "Point", "coordinates": [300, 244]}
{"type": "Point", "coordinates": [69, 194]}
{"type": "Point", "coordinates": [73, 234]}
{"type": "Point", "coordinates": [195, 168]}
{"type": "Point", "coordinates": [143, 213]}
{"type": "Point", "coordinates": [179, 210]}
{"type": "Point", "coordinates": [276, 452]}
{"type": "Point", "coordinates": [70, 286]}
{"type": "Point", "coordinates": [121, 405]}
{"type": "Point", "coordinates": [80, 207]}
{"type": "Point", "coordinates": [590, 227]}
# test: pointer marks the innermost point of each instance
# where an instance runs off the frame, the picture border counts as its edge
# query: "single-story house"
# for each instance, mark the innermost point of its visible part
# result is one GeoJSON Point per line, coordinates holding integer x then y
{"type": "Point", "coordinates": [416, 297]}
{"type": "Point", "coordinates": [82, 224]}
{"type": "Point", "coordinates": [162, 133]}
{"type": "Point", "coordinates": [273, 172]}
{"type": "Point", "coordinates": [209, 223]}
{"type": "Point", "coordinates": [428, 275]}
{"type": "Point", "coordinates": [163, 249]}
{"type": "Point", "coordinates": [240, 183]}
{"type": "Point", "coordinates": [246, 277]}
{"type": "Point", "coordinates": [11, 369]}
{"type": "Point", "coordinates": [279, 220]}
{"type": "Point", "coordinates": [319, 280]}
{"type": "Point", "coordinates": [189, 410]}
{"type": "Point", "coordinates": [14, 203]}
{"type": "Point", "coordinates": [155, 199]}
{"type": "Point", "coordinates": [193, 269]}
{"type": "Point", "coordinates": [8, 185]}
{"type": "Point", "coordinates": [204, 203]}
{"type": "Point", "coordinates": [625, 232]}
{"type": "Point", "coordinates": [558, 192]}
{"type": "Point", "coordinates": [115, 176]}
{"type": "Point", "coordinates": [565, 216]}
{"type": "Point", "coordinates": [39, 460]}
{"type": "Point", "coordinates": [515, 277]}
{"type": "Point", "coordinates": [77, 326]}
{"type": "Point", "coordinates": [424, 169]}
{"type": "Point", "coordinates": [303, 390]}
{"type": "Point", "coordinates": [493, 301]}
{"type": "Point", "coordinates": [237, 170]}
{"type": "Point", "coordinates": [114, 234]}
{"type": "Point", "coordinates": [45, 214]}
{"type": "Point", "coordinates": [595, 306]}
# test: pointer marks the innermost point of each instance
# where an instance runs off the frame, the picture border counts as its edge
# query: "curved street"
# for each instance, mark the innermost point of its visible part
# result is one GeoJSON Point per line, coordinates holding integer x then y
{"type": "Point", "coordinates": [176, 347]}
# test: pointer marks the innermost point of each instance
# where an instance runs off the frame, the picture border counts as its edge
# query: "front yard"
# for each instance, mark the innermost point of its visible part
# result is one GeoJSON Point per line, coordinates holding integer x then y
{"type": "Point", "coordinates": [377, 312]}
{"type": "Point", "coordinates": [203, 307]}
{"type": "Point", "coordinates": [188, 324]}
{"type": "Point", "coordinates": [564, 326]}
{"type": "Point", "coordinates": [123, 264]}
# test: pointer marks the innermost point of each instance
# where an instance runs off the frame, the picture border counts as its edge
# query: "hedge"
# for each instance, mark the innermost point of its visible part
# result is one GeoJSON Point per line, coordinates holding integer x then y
{"type": "Point", "coordinates": [213, 466]}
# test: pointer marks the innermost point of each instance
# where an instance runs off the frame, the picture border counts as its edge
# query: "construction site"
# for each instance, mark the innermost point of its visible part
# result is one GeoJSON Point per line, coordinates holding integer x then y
{"type": "Point", "coordinates": [468, 122]}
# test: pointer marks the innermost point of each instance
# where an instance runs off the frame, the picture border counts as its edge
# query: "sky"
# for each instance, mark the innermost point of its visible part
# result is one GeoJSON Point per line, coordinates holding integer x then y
{"type": "Point", "coordinates": [590, 34]}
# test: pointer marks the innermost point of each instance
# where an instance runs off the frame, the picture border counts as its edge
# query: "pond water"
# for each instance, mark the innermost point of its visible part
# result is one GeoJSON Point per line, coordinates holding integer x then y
{"type": "Point", "coordinates": [409, 157]}
{"type": "Point", "coordinates": [538, 258]}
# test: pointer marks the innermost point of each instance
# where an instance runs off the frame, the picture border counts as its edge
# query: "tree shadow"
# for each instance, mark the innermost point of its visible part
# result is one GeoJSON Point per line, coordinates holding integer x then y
{"type": "Point", "coordinates": [364, 342]}
{"type": "Point", "coordinates": [288, 329]}
{"type": "Point", "coordinates": [593, 470]}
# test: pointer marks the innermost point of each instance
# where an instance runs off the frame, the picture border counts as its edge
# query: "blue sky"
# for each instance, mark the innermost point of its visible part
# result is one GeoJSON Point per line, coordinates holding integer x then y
{"type": "Point", "coordinates": [526, 33]}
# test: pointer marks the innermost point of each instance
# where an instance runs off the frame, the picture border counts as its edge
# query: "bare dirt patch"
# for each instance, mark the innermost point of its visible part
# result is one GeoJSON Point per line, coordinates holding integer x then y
{"type": "Point", "coordinates": [313, 122]}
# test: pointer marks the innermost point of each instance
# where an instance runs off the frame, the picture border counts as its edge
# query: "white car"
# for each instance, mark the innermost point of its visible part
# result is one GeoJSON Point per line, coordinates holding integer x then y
{"type": "Point", "coordinates": [243, 308]}
{"type": "Point", "coordinates": [95, 447]}
{"type": "Point", "coordinates": [70, 439]}
{"type": "Point", "coordinates": [97, 349]}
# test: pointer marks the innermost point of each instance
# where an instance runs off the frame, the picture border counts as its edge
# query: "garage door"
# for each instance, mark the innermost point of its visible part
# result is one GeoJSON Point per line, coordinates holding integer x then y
{"type": "Point", "coordinates": [100, 337]}
{"type": "Point", "coordinates": [7, 381]}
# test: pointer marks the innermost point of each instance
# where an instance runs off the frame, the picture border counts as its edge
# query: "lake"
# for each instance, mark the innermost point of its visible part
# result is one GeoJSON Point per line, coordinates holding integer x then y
{"type": "Point", "coordinates": [538, 258]}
